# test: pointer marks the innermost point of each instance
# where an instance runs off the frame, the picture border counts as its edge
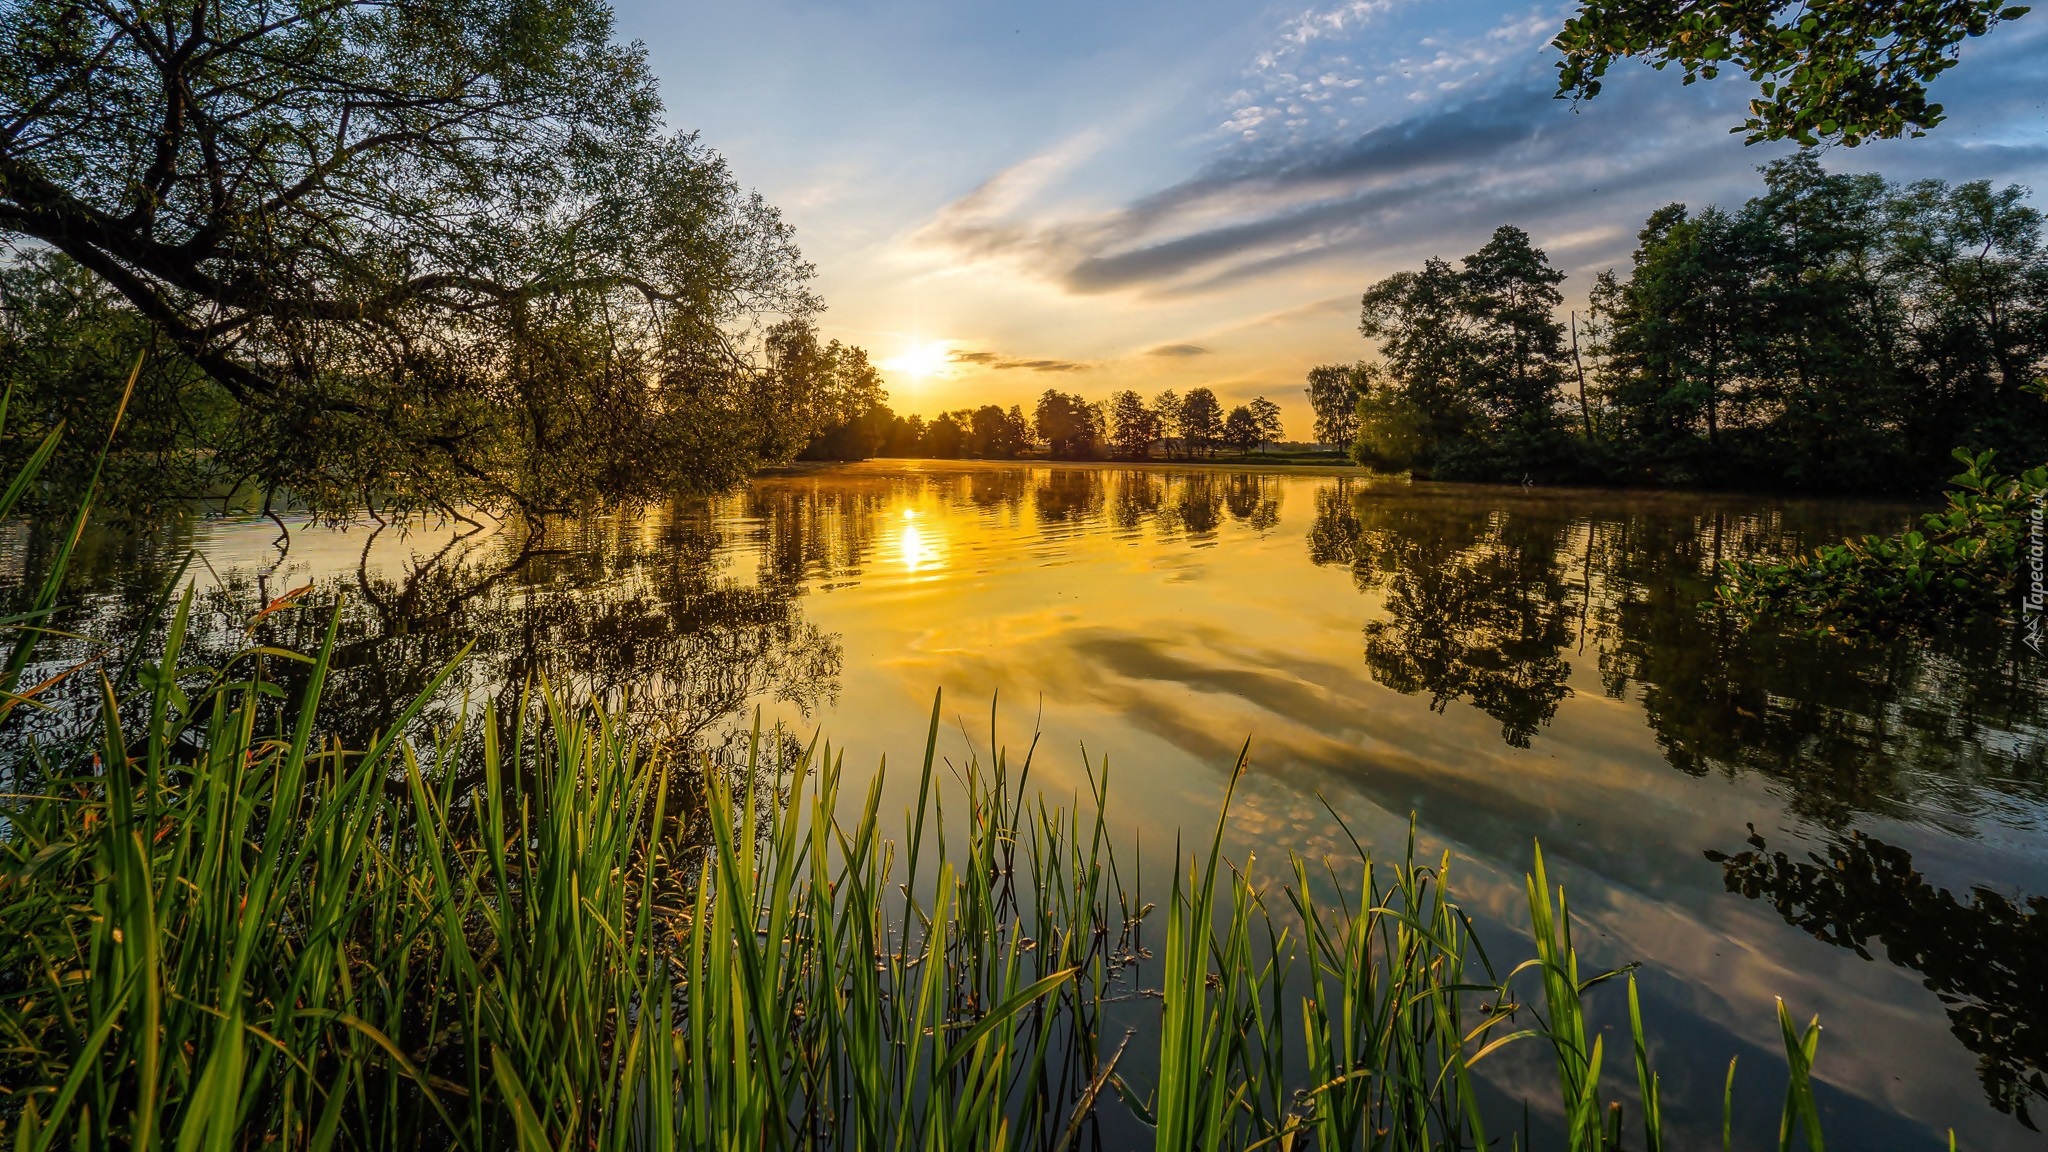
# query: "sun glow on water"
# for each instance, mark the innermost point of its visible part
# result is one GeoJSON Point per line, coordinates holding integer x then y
{"type": "Point", "coordinates": [922, 546]}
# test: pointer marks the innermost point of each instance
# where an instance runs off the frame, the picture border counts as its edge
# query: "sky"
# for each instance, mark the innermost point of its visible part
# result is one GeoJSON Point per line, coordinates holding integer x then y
{"type": "Point", "coordinates": [1005, 197]}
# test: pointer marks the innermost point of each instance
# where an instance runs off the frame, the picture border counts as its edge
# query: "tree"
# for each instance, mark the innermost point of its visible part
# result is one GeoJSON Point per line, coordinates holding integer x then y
{"type": "Point", "coordinates": [999, 435]}
{"type": "Point", "coordinates": [1837, 332]}
{"type": "Point", "coordinates": [1132, 426]}
{"type": "Point", "coordinates": [1835, 70]}
{"type": "Point", "coordinates": [947, 436]}
{"type": "Point", "coordinates": [445, 253]}
{"type": "Point", "coordinates": [1266, 419]}
{"type": "Point", "coordinates": [906, 437]}
{"type": "Point", "coordinates": [1419, 323]}
{"type": "Point", "coordinates": [829, 394]}
{"type": "Point", "coordinates": [1070, 426]}
{"type": "Point", "coordinates": [1241, 429]}
{"type": "Point", "coordinates": [1167, 407]}
{"type": "Point", "coordinates": [1393, 433]}
{"type": "Point", "coordinates": [1201, 420]}
{"type": "Point", "coordinates": [1510, 299]}
{"type": "Point", "coordinates": [1333, 395]}
{"type": "Point", "coordinates": [1476, 360]}
{"type": "Point", "coordinates": [1680, 336]}
{"type": "Point", "coordinates": [68, 344]}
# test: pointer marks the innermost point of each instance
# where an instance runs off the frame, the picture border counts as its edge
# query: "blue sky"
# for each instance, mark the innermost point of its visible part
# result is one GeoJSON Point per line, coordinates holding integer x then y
{"type": "Point", "coordinates": [1003, 197]}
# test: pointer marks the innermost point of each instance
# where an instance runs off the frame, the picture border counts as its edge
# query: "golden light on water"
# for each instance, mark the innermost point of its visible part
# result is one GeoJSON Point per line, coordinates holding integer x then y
{"type": "Point", "coordinates": [922, 548]}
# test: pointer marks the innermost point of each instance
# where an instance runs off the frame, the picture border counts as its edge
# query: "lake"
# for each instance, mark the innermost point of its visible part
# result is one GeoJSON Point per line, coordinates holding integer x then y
{"type": "Point", "coordinates": [1860, 830]}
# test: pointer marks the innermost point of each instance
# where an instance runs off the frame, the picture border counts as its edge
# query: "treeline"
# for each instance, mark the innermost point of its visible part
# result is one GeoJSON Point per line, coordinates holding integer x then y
{"type": "Point", "coordinates": [1062, 425]}
{"type": "Point", "coordinates": [1837, 333]}
{"type": "Point", "coordinates": [588, 433]}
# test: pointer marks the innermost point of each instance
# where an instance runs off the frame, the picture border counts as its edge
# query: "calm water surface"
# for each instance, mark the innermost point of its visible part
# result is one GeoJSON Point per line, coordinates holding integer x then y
{"type": "Point", "coordinates": [1863, 832]}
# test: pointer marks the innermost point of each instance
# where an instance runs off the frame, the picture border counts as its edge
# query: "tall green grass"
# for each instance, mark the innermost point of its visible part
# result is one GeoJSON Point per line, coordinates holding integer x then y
{"type": "Point", "coordinates": [220, 931]}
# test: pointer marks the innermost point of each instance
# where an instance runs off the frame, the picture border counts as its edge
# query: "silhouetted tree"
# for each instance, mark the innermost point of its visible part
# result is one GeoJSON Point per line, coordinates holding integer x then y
{"type": "Point", "coordinates": [1266, 419]}
{"type": "Point", "coordinates": [1201, 420]}
{"type": "Point", "coordinates": [1168, 408]}
{"type": "Point", "coordinates": [1132, 426]}
{"type": "Point", "coordinates": [948, 436]}
{"type": "Point", "coordinates": [1241, 429]}
{"type": "Point", "coordinates": [1837, 332]}
{"type": "Point", "coordinates": [1333, 394]}
{"type": "Point", "coordinates": [1476, 358]}
{"type": "Point", "coordinates": [1070, 426]}
{"type": "Point", "coordinates": [999, 435]}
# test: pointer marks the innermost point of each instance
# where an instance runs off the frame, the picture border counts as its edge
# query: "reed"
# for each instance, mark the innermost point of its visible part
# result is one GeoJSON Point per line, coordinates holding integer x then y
{"type": "Point", "coordinates": [221, 930]}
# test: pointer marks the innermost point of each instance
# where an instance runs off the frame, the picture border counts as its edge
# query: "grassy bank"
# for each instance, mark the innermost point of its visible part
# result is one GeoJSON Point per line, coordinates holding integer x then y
{"type": "Point", "coordinates": [221, 931]}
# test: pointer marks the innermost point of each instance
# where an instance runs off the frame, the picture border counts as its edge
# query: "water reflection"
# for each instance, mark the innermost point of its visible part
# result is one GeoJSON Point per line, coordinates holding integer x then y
{"type": "Point", "coordinates": [1475, 600]}
{"type": "Point", "coordinates": [1510, 665]}
{"type": "Point", "coordinates": [1987, 958]}
{"type": "Point", "coordinates": [642, 612]}
{"type": "Point", "coordinates": [1488, 602]}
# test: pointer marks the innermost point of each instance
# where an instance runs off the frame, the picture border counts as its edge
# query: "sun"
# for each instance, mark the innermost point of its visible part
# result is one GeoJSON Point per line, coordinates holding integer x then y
{"type": "Point", "coordinates": [922, 360]}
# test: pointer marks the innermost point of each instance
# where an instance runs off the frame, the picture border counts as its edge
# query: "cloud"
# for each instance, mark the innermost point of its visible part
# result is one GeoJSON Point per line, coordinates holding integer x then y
{"type": "Point", "coordinates": [1465, 135]}
{"type": "Point", "coordinates": [998, 361]}
{"type": "Point", "coordinates": [1178, 350]}
{"type": "Point", "coordinates": [1510, 153]}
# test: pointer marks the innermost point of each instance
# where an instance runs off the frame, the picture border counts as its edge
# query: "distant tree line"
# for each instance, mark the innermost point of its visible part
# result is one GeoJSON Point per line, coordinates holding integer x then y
{"type": "Point", "coordinates": [1836, 333]}
{"type": "Point", "coordinates": [1062, 425]}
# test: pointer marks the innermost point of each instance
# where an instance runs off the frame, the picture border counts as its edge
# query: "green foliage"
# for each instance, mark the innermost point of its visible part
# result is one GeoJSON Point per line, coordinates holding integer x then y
{"type": "Point", "coordinates": [1475, 360]}
{"type": "Point", "coordinates": [1963, 561]}
{"type": "Point", "coordinates": [427, 254]}
{"type": "Point", "coordinates": [1841, 71]}
{"type": "Point", "coordinates": [67, 349]}
{"type": "Point", "coordinates": [581, 946]}
{"type": "Point", "coordinates": [222, 927]}
{"type": "Point", "coordinates": [1390, 432]}
{"type": "Point", "coordinates": [1837, 333]}
{"type": "Point", "coordinates": [826, 399]}
{"type": "Point", "coordinates": [1333, 394]}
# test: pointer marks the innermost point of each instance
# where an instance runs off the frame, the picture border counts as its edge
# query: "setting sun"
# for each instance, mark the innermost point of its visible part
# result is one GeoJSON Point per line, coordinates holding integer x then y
{"type": "Point", "coordinates": [922, 360]}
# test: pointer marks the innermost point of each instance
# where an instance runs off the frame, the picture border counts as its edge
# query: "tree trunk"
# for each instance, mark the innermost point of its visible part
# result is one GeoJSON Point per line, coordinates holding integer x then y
{"type": "Point", "coordinates": [1585, 412]}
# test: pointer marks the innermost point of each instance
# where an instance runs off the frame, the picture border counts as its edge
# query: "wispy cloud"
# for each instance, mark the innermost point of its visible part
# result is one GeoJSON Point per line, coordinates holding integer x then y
{"type": "Point", "coordinates": [1442, 138]}
{"type": "Point", "coordinates": [1000, 362]}
{"type": "Point", "coordinates": [1510, 153]}
{"type": "Point", "coordinates": [1178, 350]}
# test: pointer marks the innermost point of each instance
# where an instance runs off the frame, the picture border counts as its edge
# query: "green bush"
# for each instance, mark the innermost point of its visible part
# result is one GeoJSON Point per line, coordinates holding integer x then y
{"type": "Point", "coordinates": [1963, 562]}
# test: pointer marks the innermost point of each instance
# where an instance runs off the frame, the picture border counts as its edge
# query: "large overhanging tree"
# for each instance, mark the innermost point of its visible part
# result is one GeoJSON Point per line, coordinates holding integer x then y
{"type": "Point", "coordinates": [1838, 71]}
{"type": "Point", "coordinates": [437, 252]}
